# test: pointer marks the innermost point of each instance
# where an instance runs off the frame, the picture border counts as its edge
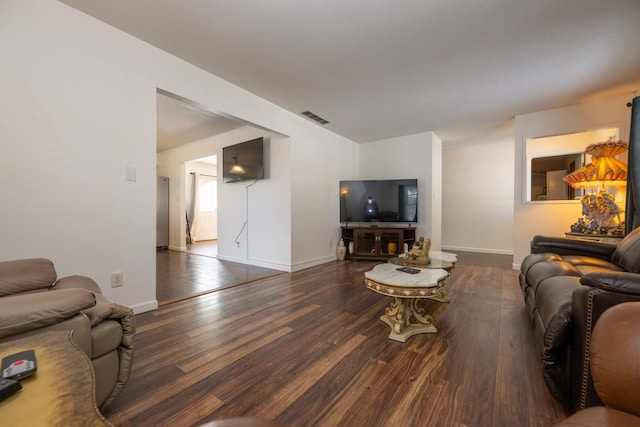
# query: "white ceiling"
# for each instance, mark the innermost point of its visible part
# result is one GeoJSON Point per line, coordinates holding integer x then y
{"type": "Point", "coordinates": [181, 122]}
{"type": "Point", "coordinates": [377, 69]}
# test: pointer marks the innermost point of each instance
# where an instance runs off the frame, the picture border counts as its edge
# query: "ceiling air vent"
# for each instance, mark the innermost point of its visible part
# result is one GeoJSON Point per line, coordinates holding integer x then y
{"type": "Point", "coordinates": [314, 117]}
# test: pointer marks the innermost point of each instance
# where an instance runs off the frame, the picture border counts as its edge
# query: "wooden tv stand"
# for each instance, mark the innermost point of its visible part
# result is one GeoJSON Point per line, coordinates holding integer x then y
{"type": "Point", "coordinates": [372, 242]}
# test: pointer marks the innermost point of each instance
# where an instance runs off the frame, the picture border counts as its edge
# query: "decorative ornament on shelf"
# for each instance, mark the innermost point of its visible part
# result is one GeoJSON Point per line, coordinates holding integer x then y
{"type": "Point", "coordinates": [419, 253]}
{"type": "Point", "coordinates": [341, 250]}
{"type": "Point", "coordinates": [392, 248]}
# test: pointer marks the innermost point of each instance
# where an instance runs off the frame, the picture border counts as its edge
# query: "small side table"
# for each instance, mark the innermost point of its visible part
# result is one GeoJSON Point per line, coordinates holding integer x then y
{"type": "Point", "coordinates": [60, 393]}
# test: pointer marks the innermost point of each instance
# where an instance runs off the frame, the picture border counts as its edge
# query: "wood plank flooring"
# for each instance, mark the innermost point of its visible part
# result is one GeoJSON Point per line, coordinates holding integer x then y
{"type": "Point", "coordinates": [181, 275]}
{"type": "Point", "coordinates": [308, 349]}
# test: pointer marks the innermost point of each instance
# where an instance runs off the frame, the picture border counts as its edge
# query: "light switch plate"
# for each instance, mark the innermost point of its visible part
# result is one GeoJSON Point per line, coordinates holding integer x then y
{"type": "Point", "coordinates": [117, 279]}
{"type": "Point", "coordinates": [130, 173]}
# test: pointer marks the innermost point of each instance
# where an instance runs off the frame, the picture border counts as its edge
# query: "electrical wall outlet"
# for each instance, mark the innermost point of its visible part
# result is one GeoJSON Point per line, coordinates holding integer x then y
{"type": "Point", "coordinates": [117, 279]}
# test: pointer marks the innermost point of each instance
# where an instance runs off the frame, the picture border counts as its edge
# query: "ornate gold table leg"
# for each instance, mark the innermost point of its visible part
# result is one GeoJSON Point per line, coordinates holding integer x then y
{"type": "Point", "coordinates": [406, 318]}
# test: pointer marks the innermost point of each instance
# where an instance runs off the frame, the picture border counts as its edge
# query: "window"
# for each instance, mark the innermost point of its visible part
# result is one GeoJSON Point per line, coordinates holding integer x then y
{"type": "Point", "coordinates": [549, 159]}
{"type": "Point", "coordinates": [208, 194]}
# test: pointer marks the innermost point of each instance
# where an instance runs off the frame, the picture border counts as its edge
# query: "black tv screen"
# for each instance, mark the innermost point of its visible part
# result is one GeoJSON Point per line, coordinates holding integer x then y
{"type": "Point", "coordinates": [388, 200]}
{"type": "Point", "coordinates": [244, 161]}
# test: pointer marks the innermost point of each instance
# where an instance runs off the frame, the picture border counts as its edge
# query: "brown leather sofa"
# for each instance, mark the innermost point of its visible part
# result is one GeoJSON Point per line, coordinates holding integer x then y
{"type": "Point", "coordinates": [567, 284]}
{"type": "Point", "coordinates": [615, 364]}
{"type": "Point", "coordinates": [34, 300]}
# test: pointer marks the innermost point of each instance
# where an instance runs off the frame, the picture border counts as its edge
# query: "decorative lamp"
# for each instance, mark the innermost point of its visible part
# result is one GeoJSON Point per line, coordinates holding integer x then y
{"type": "Point", "coordinates": [604, 169]}
{"type": "Point", "coordinates": [343, 194]}
{"type": "Point", "coordinates": [599, 209]}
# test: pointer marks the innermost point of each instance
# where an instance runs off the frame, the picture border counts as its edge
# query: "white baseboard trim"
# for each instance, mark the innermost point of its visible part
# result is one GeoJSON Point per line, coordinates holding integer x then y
{"type": "Point", "coordinates": [280, 267]}
{"type": "Point", "coordinates": [178, 248]}
{"type": "Point", "coordinates": [257, 263]}
{"type": "Point", "coordinates": [308, 264]}
{"type": "Point", "coordinates": [145, 306]}
{"type": "Point", "coordinates": [479, 250]}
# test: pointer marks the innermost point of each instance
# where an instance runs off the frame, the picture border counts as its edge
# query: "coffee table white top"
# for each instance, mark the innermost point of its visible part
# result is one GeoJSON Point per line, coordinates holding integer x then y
{"type": "Point", "coordinates": [389, 275]}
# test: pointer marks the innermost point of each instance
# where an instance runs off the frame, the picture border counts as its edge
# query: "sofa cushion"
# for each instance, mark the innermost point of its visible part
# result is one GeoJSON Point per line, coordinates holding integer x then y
{"type": "Point", "coordinates": [21, 313]}
{"type": "Point", "coordinates": [587, 261]}
{"type": "Point", "coordinates": [534, 259]}
{"type": "Point", "coordinates": [627, 253]}
{"type": "Point", "coordinates": [546, 270]}
{"type": "Point", "coordinates": [26, 275]}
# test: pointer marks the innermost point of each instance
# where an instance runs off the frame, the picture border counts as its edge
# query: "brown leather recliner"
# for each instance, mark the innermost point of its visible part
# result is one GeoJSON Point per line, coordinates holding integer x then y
{"type": "Point", "coordinates": [615, 366]}
{"type": "Point", "coordinates": [34, 300]}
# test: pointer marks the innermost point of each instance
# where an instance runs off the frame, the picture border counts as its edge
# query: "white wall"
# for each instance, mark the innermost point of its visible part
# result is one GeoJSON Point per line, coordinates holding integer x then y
{"type": "Point", "coordinates": [317, 166]}
{"type": "Point", "coordinates": [550, 218]}
{"type": "Point", "coordinates": [477, 207]}
{"type": "Point", "coordinates": [74, 113]}
{"type": "Point", "coordinates": [437, 195]}
{"type": "Point", "coordinates": [78, 106]}
{"type": "Point", "coordinates": [256, 214]}
{"type": "Point", "coordinates": [413, 156]}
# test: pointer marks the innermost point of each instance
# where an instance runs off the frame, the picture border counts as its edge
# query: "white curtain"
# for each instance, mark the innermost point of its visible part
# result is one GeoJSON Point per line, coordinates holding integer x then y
{"type": "Point", "coordinates": [193, 208]}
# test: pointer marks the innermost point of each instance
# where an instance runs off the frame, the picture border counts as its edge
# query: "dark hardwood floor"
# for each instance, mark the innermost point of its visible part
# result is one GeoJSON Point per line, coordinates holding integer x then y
{"type": "Point", "coordinates": [308, 349]}
{"type": "Point", "coordinates": [181, 275]}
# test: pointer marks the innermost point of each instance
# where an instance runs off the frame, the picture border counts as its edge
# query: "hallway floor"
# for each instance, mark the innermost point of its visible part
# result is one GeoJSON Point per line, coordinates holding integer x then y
{"type": "Point", "coordinates": [205, 247]}
{"type": "Point", "coordinates": [182, 275]}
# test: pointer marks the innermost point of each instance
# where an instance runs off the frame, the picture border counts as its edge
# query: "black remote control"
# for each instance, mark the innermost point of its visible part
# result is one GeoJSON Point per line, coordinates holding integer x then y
{"type": "Point", "coordinates": [19, 365]}
{"type": "Point", "coordinates": [8, 387]}
{"type": "Point", "coordinates": [409, 270]}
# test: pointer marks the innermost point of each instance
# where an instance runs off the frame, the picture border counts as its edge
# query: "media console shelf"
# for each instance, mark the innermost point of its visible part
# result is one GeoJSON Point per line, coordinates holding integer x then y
{"type": "Point", "coordinates": [373, 243]}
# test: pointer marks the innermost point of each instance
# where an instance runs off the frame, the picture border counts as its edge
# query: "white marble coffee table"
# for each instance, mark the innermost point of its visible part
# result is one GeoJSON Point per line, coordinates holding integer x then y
{"type": "Point", "coordinates": [405, 315]}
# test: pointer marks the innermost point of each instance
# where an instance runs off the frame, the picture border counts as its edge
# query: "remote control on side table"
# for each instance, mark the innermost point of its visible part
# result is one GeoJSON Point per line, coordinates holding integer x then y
{"type": "Point", "coordinates": [19, 365]}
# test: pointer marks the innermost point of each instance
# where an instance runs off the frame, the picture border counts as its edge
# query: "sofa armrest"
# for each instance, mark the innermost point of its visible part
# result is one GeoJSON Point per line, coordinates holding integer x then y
{"type": "Point", "coordinates": [82, 282]}
{"type": "Point", "coordinates": [106, 310]}
{"type": "Point", "coordinates": [103, 308]}
{"type": "Point", "coordinates": [77, 324]}
{"type": "Point", "coordinates": [600, 291]}
{"type": "Point", "coordinates": [613, 281]}
{"type": "Point", "coordinates": [22, 313]}
{"type": "Point", "coordinates": [566, 246]}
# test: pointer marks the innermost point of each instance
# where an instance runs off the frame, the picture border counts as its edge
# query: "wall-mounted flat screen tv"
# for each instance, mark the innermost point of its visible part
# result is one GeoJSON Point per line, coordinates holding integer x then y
{"type": "Point", "coordinates": [244, 161]}
{"type": "Point", "coordinates": [387, 200]}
